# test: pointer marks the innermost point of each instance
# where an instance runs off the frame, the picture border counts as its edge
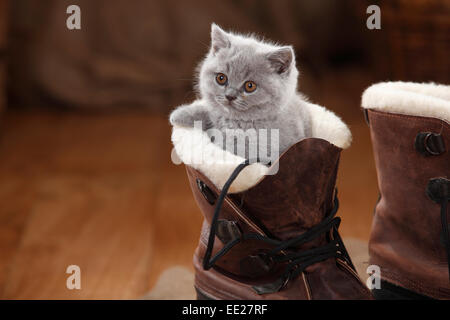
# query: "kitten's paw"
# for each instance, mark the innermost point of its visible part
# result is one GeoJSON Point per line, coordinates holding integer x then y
{"type": "Point", "coordinates": [179, 117]}
{"type": "Point", "coordinates": [192, 115]}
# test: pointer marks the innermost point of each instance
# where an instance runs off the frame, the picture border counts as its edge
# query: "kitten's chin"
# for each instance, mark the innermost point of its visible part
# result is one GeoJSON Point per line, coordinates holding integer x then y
{"type": "Point", "coordinates": [232, 108]}
{"type": "Point", "coordinates": [236, 107]}
{"type": "Point", "coordinates": [226, 107]}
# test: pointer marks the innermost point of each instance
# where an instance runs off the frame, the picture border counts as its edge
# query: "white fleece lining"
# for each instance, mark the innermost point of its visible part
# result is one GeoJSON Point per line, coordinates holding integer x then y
{"type": "Point", "coordinates": [194, 148]}
{"type": "Point", "coordinates": [416, 99]}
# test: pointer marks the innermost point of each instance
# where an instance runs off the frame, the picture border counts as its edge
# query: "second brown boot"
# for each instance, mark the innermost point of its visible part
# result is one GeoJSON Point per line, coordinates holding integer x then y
{"type": "Point", "coordinates": [410, 131]}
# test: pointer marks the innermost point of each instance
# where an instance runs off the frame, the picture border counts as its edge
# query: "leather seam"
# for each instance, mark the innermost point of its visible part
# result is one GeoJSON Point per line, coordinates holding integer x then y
{"type": "Point", "coordinates": [243, 216]}
{"type": "Point", "coordinates": [352, 272]}
{"type": "Point", "coordinates": [307, 287]}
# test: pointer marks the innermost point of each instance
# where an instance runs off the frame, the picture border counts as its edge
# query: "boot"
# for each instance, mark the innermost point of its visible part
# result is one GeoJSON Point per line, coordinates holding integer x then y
{"type": "Point", "coordinates": [410, 132]}
{"type": "Point", "coordinates": [277, 239]}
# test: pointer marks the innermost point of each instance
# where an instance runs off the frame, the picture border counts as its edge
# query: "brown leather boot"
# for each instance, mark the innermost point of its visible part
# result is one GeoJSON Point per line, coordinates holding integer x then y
{"type": "Point", "coordinates": [279, 239]}
{"type": "Point", "coordinates": [409, 126]}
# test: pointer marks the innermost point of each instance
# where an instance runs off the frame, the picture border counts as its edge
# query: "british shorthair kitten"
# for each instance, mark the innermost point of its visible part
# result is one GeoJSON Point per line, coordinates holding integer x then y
{"type": "Point", "coordinates": [244, 83]}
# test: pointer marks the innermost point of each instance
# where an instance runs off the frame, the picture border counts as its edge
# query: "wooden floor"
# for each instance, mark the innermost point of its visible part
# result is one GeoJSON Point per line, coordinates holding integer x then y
{"type": "Point", "coordinates": [95, 191]}
{"type": "Point", "coordinates": [100, 192]}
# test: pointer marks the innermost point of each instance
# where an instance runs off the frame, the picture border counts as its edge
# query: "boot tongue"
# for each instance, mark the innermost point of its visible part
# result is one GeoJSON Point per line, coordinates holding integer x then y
{"type": "Point", "coordinates": [299, 195]}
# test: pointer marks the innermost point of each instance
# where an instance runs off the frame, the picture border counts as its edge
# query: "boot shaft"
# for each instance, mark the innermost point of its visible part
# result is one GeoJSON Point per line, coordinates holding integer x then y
{"type": "Point", "coordinates": [285, 205]}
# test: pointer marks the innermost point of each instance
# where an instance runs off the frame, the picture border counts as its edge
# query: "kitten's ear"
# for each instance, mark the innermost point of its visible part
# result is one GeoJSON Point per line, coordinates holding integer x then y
{"type": "Point", "coordinates": [281, 59]}
{"type": "Point", "coordinates": [219, 38]}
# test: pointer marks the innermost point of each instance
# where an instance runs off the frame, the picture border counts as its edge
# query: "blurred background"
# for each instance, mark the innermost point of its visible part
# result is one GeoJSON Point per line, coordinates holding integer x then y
{"type": "Point", "coordinates": [85, 170]}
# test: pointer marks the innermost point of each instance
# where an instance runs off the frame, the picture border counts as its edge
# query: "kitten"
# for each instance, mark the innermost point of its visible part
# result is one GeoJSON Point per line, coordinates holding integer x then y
{"type": "Point", "coordinates": [245, 83]}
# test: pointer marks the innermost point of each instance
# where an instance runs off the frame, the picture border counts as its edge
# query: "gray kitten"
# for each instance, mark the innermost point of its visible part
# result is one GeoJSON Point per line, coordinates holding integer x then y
{"type": "Point", "coordinates": [245, 83]}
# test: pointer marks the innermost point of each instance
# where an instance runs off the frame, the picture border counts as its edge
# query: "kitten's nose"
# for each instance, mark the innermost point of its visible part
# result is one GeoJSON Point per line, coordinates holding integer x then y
{"type": "Point", "coordinates": [230, 98]}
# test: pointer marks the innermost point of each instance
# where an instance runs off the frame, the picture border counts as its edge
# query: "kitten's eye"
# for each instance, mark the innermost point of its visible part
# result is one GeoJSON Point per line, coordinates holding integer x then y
{"type": "Point", "coordinates": [221, 79]}
{"type": "Point", "coordinates": [249, 86]}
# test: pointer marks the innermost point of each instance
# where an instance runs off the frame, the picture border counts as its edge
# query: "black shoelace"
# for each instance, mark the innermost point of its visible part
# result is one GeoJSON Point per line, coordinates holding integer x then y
{"type": "Point", "coordinates": [283, 251]}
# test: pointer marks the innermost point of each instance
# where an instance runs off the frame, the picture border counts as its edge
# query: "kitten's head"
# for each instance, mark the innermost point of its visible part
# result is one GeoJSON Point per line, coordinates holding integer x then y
{"type": "Point", "coordinates": [242, 75]}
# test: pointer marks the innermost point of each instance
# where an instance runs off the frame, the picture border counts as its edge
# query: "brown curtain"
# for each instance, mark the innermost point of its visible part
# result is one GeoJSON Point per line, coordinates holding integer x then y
{"type": "Point", "coordinates": [143, 53]}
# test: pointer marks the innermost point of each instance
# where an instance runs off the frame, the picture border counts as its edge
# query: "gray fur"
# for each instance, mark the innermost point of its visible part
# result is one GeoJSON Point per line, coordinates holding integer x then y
{"type": "Point", "coordinates": [275, 104]}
